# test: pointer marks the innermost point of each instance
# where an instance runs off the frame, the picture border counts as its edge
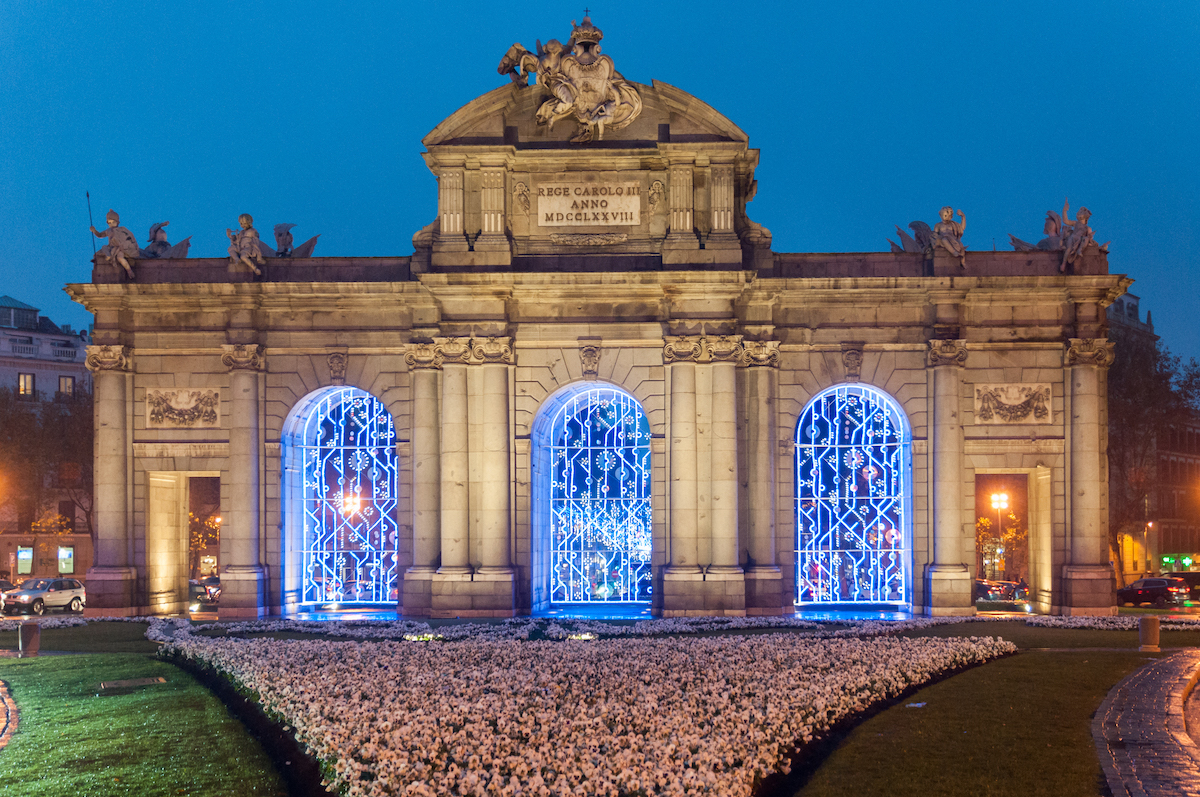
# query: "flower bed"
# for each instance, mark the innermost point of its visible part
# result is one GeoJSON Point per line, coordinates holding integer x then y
{"type": "Point", "coordinates": [711, 715]}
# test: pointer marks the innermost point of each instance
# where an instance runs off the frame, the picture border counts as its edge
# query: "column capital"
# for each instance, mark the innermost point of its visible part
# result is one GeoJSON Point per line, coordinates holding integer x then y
{"type": "Point", "coordinates": [453, 350]}
{"type": "Point", "coordinates": [703, 349]}
{"type": "Point", "coordinates": [1090, 351]}
{"type": "Point", "coordinates": [760, 353]}
{"type": "Point", "coordinates": [244, 357]}
{"type": "Point", "coordinates": [492, 351]}
{"type": "Point", "coordinates": [681, 348]}
{"type": "Point", "coordinates": [947, 352]}
{"type": "Point", "coordinates": [109, 358]}
{"type": "Point", "coordinates": [424, 356]}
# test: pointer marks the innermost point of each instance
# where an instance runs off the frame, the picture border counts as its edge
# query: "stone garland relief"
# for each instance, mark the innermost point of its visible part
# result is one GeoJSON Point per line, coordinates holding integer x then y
{"type": "Point", "coordinates": [183, 409]}
{"type": "Point", "coordinates": [1023, 403]}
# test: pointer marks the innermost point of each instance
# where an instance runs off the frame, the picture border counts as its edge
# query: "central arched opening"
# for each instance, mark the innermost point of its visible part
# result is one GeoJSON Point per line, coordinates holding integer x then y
{"type": "Point", "coordinates": [853, 500]}
{"type": "Point", "coordinates": [592, 519]}
{"type": "Point", "coordinates": [339, 499]}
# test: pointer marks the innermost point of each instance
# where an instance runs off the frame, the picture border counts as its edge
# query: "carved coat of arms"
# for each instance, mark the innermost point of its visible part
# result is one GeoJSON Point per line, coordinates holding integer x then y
{"type": "Point", "coordinates": [582, 83]}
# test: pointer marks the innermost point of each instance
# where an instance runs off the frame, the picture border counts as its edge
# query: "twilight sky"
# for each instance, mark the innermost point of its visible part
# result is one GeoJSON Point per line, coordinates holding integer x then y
{"type": "Point", "coordinates": [868, 115]}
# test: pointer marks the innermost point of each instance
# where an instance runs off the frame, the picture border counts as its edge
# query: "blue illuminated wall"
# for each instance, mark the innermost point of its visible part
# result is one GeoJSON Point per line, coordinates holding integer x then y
{"type": "Point", "coordinates": [853, 518]}
{"type": "Point", "coordinates": [594, 523]}
{"type": "Point", "coordinates": [341, 453]}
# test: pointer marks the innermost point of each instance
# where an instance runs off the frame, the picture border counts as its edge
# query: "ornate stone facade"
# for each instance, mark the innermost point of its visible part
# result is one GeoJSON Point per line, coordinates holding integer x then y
{"type": "Point", "coordinates": [663, 289]}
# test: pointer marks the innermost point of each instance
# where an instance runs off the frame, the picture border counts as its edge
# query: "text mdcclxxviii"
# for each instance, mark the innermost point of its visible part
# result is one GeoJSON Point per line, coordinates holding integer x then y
{"type": "Point", "coordinates": [853, 538]}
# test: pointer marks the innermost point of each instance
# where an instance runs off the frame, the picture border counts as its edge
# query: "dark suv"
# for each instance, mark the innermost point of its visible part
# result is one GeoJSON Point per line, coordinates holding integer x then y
{"type": "Point", "coordinates": [1158, 591]}
{"type": "Point", "coordinates": [1193, 582]}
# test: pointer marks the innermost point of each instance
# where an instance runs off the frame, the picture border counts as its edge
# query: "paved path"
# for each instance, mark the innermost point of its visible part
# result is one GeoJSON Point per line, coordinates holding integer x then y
{"type": "Point", "coordinates": [1139, 731]}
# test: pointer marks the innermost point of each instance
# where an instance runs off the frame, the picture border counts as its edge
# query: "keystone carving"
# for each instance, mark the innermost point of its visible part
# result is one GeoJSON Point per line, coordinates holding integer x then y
{"type": "Point", "coordinates": [760, 353]}
{"type": "Point", "coordinates": [852, 360]}
{"type": "Point", "coordinates": [337, 368]}
{"type": "Point", "coordinates": [589, 358]}
{"type": "Point", "coordinates": [244, 357]}
{"type": "Point", "coordinates": [947, 352]}
{"type": "Point", "coordinates": [1090, 351]}
{"type": "Point", "coordinates": [109, 358]}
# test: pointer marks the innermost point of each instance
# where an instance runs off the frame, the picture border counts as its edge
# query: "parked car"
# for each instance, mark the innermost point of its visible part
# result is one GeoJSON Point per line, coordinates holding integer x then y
{"type": "Point", "coordinates": [1159, 591]}
{"type": "Point", "coordinates": [1193, 582]}
{"type": "Point", "coordinates": [39, 595]}
{"type": "Point", "coordinates": [206, 590]}
{"type": "Point", "coordinates": [5, 586]}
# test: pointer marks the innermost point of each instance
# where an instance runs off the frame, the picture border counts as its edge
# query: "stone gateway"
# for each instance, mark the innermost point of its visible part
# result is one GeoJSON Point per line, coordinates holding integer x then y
{"type": "Point", "coordinates": [594, 382]}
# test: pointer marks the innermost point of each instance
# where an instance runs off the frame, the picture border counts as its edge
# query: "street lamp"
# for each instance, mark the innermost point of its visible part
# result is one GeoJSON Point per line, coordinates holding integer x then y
{"type": "Point", "coordinates": [999, 503]}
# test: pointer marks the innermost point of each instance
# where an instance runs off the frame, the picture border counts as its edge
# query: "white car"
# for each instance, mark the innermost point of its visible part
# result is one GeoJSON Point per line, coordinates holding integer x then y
{"type": "Point", "coordinates": [38, 595]}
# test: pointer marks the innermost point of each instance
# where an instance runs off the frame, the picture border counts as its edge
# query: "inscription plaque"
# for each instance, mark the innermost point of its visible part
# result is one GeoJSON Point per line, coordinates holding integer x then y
{"type": "Point", "coordinates": [589, 204]}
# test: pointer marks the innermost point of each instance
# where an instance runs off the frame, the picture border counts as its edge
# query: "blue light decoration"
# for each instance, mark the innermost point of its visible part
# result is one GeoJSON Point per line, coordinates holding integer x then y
{"type": "Point", "coordinates": [600, 482]}
{"type": "Point", "coordinates": [348, 449]}
{"type": "Point", "coordinates": [853, 534]}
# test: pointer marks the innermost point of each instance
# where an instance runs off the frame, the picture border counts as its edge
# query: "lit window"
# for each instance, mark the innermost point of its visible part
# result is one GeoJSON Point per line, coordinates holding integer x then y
{"type": "Point", "coordinates": [66, 385]}
{"type": "Point", "coordinates": [66, 559]}
{"type": "Point", "coordinates": [24, 561]}
{"type": "Point", "coordinates": [25, 385]}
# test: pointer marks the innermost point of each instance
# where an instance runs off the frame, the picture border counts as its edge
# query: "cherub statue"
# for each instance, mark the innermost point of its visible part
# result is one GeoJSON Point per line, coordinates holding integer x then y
{"type": "Point", "coordinates": [121, 244]}
{"type": "Point", "coordinates": [948, 233]}
{"type": "Point", "coordinates": [244, 248]}
{"type": "Point", "coordinates": [160, 247]}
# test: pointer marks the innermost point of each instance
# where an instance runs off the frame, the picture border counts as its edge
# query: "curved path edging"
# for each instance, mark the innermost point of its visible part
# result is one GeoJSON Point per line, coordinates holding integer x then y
{"type": "Point", "coordinates": [8, 721]}
{"type": "Point", "coordinates": [1140, 735]}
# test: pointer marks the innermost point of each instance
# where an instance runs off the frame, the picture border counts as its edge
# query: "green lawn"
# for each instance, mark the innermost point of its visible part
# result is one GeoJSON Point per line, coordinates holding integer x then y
{"type": "Point", "coordinates": [1017, 726]}
{"type": "Point", "coordinates": [1027, 637]}
{"type": "Point", "coordinates": [91, 638]}
{"type": "Point", "coordinates": [166, 739]}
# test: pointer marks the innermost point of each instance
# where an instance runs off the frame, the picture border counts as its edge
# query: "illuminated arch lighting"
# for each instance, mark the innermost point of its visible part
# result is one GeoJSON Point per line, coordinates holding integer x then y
{"type": "Point", "coordinates": [344, 440]}
{"type": "Point", "coordinates": [600, 525]}
{"type": "Point", "coordinates": [853, 495]}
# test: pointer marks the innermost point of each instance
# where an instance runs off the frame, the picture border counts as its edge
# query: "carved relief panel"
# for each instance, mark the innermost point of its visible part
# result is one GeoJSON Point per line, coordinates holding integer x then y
{"type": "Point", "coordinates": [1023, 403]}
{"type": "Point", "coordinates": [183, 409]}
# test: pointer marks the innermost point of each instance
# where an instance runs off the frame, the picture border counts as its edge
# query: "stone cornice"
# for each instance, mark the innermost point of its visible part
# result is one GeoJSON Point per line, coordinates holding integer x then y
{"type": "Point", "coordinates": [947, 352]}
{"type": "Point", "coordinates": [244, 357]}
{"type": "Point", "coordinates": [1089, 351]}
{"type": "Point", "coordinates": [109, 358]}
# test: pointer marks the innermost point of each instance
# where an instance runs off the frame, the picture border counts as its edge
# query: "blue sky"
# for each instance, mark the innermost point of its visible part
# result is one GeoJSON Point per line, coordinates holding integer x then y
{"type": "Point", "coordinates": [868, 115]}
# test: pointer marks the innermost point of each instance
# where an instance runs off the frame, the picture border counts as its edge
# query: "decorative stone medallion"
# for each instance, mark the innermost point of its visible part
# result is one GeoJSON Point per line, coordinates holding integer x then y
{"type": "Point", "coordinates": [1023, 403]}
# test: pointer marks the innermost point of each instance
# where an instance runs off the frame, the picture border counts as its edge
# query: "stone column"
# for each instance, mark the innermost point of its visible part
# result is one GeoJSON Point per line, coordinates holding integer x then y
{"type": "Point", "coordinates": [243, 591]}
{"type": "Point", "coordinates": [494, 553]}
{"type": "Point", "coordinates": [455, 510]}
{"type": "Point", "coordinates": [722, 240]}
{"type": "Point", "coordinates": [764, 579]}
{"type": "Point", "coordinates": [491, 202]}
{"type": "Point", "coordinates": [947, 580]}
{"type": "Point", "coordinates": [111, 579]}
{"type": "Point", "coordinates": [683, 579]}
{"type": "Point", "coordinates": [424, 362]}
{"type": "Point", "coordinates": [449, 237]}
{"type": "Point", "coordinates": [1087, 579]}
{"type": "Point", "coordinates": [724, 352]}
{"type": "Point", "coordinates": [681, 240]}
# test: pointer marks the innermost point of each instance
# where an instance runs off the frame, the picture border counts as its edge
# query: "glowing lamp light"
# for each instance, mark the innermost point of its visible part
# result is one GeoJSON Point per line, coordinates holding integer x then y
{"type": "Point", "coordinates": [999, 500]}
{"type": "Point", "coordinates": [351, 503]}
{"type": "Point", "coordinates": [1187, 561]}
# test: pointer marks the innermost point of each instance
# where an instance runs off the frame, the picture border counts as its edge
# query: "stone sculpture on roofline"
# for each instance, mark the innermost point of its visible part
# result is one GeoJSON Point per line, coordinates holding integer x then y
{"type": "Point", "coordinates": [159, 247]}
{"type": "Point", "coordinates": [244, 248]}
{"type": "Point", "coordinates": [283, 240]}
{"type": "Point", "coordinates": [121, 244]}
{"type": "Point", "coordinates": [1070, 236]}
{"type": "Point", "coordinates": [945, 235]}
{"type": "Point", "coordinates": [581, 83]}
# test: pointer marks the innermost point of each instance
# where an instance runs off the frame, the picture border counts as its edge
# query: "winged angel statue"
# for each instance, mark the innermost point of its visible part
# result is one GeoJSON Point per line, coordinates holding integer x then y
{"type": "Point", "coordinates": [581, 82]}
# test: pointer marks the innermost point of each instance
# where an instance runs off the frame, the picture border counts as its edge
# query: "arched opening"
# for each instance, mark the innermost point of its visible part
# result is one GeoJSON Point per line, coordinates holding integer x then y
{"type": "Point", "coordinates": [591, 516]}
{"type": "Point", "coordinates": [339, 501]}
{"type": "Point", "coordinates": [853, 499]}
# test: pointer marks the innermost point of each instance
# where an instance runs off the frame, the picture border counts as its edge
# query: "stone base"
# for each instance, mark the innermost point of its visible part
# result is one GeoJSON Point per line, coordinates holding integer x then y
{"type": "Point", "coordinates": [480, 594]}
{"type": "Point", "coordinates": [243, 593]}
{"type": "Point", "coordinates": [693, 593]}
{"type": "Point", "coordinates": [416, 597]}
{"type": "Point", "coordinates": [764, 593]}
{"type": "Point", "coordinates": [949, 591]}
{"type": "Point", "coordinates": [110, 591]}
{"type": "Point", "coordinates": [1088, 591]}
